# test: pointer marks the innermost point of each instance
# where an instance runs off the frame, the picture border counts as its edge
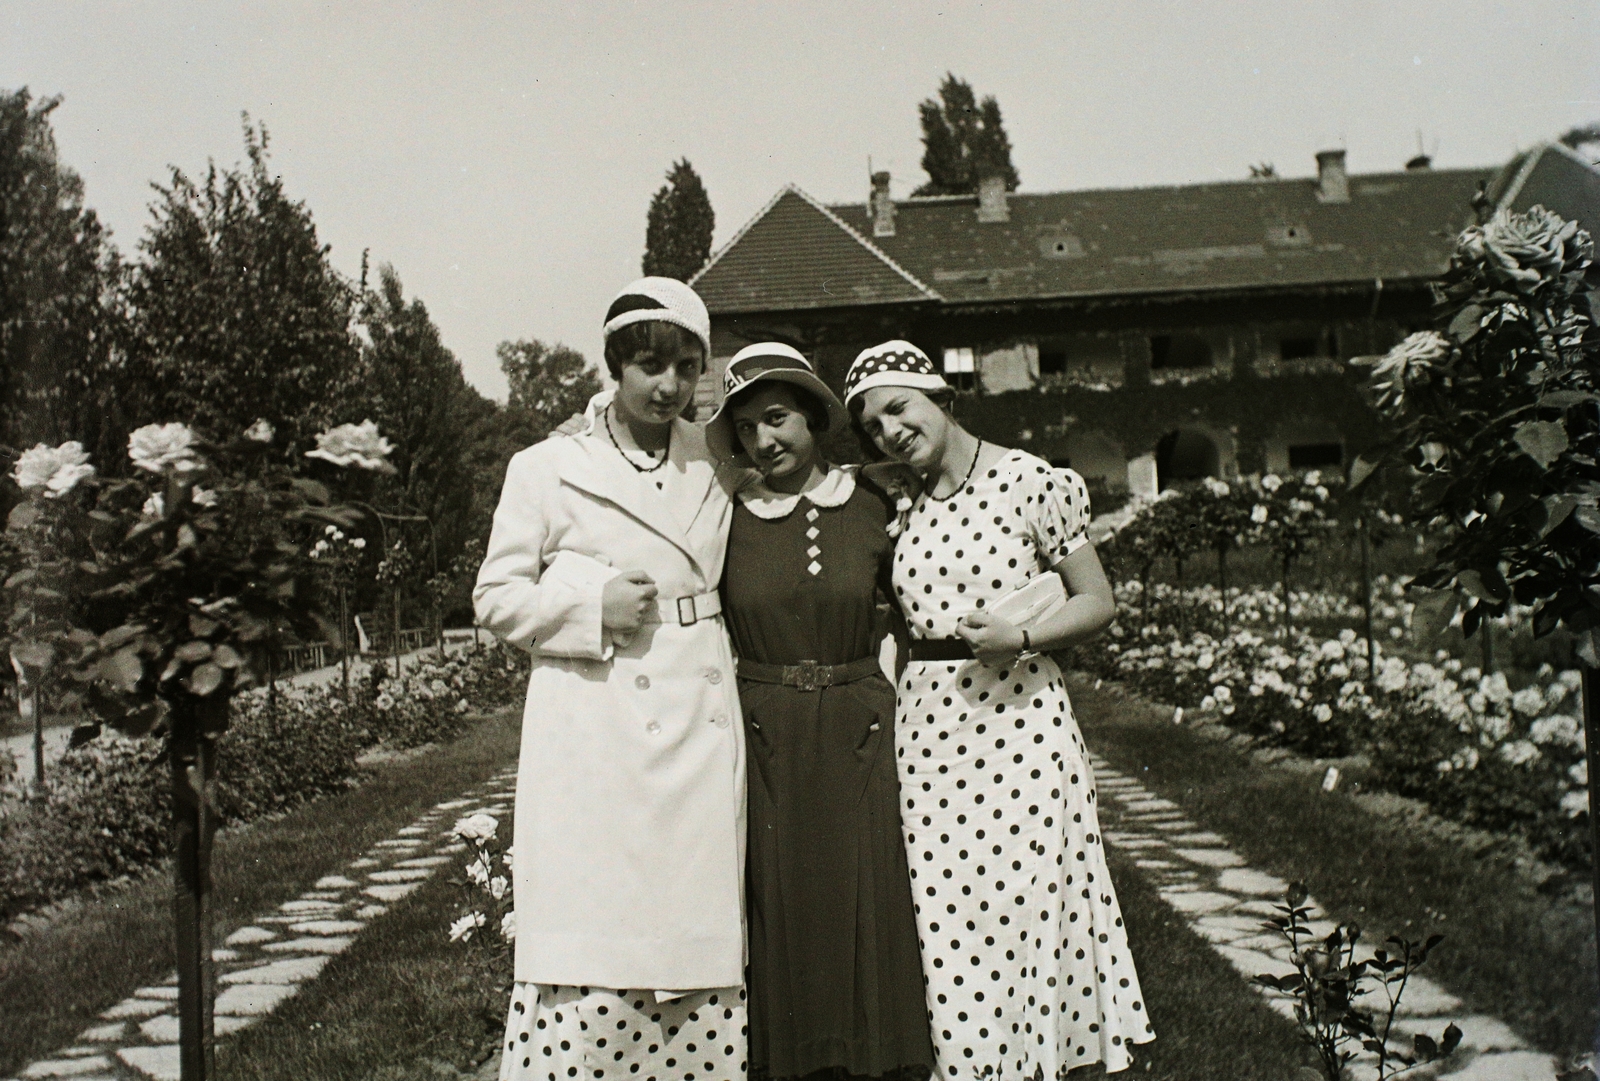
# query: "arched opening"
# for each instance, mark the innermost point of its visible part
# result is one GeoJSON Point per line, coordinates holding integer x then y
{"type": "Point", "coordinates": [1186, 454]}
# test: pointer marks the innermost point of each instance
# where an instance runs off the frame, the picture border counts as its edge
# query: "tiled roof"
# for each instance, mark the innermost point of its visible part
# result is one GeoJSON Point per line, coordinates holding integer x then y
{"type": "Point", "coordinates": [796, 253]}
{"type": "Point", "coordinates": [1128, 242]}
{"type": "Point", "coordinates": [1556, 178]}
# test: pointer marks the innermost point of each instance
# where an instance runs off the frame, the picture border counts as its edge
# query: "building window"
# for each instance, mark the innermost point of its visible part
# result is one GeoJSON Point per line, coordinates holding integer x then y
{"type": "Point", "coordinates": [1322, 343]}
{"type": "Point", "coordinates": [1316, 455]}
{"type": "Point", "coordinates": [1052, 361]}
{"type": "Point", "coordinates": [960, 368]}
{"type": "Point", "coordinates": [1182, 350]}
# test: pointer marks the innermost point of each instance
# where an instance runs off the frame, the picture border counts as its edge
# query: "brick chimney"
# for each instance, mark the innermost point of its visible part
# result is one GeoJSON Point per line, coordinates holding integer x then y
{"type": "Point", "coordinates": [881, 206]}
{"type": "Point", "coordinates": [1333, 183]}
{"type": "Point", "coordinates": [992, 198]}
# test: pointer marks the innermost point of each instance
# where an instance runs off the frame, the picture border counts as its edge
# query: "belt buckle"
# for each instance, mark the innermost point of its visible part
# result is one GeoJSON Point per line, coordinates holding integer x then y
{"type": "Point", "coordinates": [807, 675]}
{"type": "Point", "coordinates": [686, 620]}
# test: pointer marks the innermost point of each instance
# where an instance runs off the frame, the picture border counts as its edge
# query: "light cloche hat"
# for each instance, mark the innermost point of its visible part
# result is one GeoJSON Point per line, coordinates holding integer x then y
{"type": "Point", "coordinates": [766, 361]}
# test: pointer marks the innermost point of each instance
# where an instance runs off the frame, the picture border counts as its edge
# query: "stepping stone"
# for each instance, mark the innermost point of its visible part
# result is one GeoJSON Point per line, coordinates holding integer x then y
{"type": "Point", "coordinates": [327, 927]}
{"type": "Point", "coordinates": [398, 844]}
{"type": "Point", "coordinates": [422, 861]}
{"type": "Point", "coordinates": [319, 944]}
{"type": "Point", "coordinates": [1268, 942]}
{"type": "Point", "coordinates": [307, 906]}
{"type": "Point", "coordinates": [371, 912]}
{"type": "Point", "coordinates": [249, 936]}
{"type": "Point", "coordinates": [294, 970]}
{"type": "Point", "coordinates": [163, 993]}
{"type": "Point", "coordinates": [1215, 931]}
{"type": "Point", "coordinates": [162, 1029]}
{"type": "Point", "coordinates": [221, 954]}
{"type": "Point", "coordinates": [1144, 818]}
{"type": "Point", "coordinates": [80, 1052]}
{"type": "Point", "coordinates": [363, 863]}
{"type": "Point", "coordinates": [1253, 963]}
{"type": "Point", "coordinates": [1205, 837]}
{"type": "Point", "coordinates": [1153, 865]}
{"type": "Point", "coordinates": [1478, 1031]}
{"type": "Point", "coordinates": [1507, 1066]}
{"type": "Point", "coordinates": [133, 1008]}
{"type": "Point", "coordinates": [1248, 880]}
{"type": "Point", "coordinates": [459, 846]}
{"type": "Point", "coordinates": [159, 1062]}
{"type": "Point", "coordinates": [1212, 857]}
{"type": "Point", "coordinates": [407, 874]}
{"type": "Point", "coordinates": [1155, 803]}
{"type": "Point", "coordinates": [1264, 909]}
{"type": "Point", "coordinates": [1198, 901]}
{"type": "Point", "coordinates": [67, 1067]}
{"type": "Point", "coordinates": [391, 893]}
{"type": "Point", "coordinates": [1424, 998]}
{"type": "Point", "coordinates": [105, 1033]}
{"type": "Point", "coordinates": [227, 1026]}
{"type": "Point", "coordinates": [1176, 825]}
{"type": "Point", "coordinates": [322, 895]}
{"type": "Point", "coordinates": [253, 999]}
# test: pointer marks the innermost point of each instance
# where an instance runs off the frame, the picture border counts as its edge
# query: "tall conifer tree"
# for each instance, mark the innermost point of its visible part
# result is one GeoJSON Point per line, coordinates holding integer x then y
{"type": "Point", "coordinates": [962, 140]}
{"type": "Point", "coordinates": [677, 239]}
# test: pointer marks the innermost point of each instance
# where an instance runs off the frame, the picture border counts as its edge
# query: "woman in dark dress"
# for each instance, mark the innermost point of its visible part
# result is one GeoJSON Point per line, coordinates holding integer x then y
{"type": "Point", "coordinates": [835, 980]}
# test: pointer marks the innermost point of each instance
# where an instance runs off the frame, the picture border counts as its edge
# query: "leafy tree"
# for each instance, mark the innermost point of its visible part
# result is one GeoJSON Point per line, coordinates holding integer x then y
{"type": "Point", "coordinates": [414, 387]}
{"type": "Point", "coordinates": [55, 268]}
{"type": "Point", "coordinates": [1581, 136]}
{"type": "Point", "coordinates": [677, 236]}
{"type": "Point", "coordinates": [963, 140]}
{"type": "Point", "coordinates": [548, 385]}
{"type": "Point", "coordinates": [236, 310]}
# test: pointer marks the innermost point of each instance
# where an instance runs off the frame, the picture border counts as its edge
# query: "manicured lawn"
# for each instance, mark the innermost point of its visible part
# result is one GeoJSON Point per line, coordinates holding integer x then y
{"type": "Point", "coordinates": [53, 984]}
{"type": "Point", "coordinates": [1508, 951]}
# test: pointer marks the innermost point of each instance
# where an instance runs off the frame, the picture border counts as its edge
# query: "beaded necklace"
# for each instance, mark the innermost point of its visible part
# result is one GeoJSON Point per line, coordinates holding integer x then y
{"type": "Point", "coordinates": [606, 414]}
{"type": "Point", "coordinates": [963, 484]}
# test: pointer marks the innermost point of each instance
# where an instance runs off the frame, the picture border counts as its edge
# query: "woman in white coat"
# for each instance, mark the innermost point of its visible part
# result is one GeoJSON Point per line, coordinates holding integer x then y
{"type": "Point", "coordinates": [604, 561]}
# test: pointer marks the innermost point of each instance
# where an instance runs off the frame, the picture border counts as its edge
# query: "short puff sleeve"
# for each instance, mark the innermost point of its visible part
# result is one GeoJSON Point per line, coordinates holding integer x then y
{"type": "Point", "coordinates": [1055, 510]}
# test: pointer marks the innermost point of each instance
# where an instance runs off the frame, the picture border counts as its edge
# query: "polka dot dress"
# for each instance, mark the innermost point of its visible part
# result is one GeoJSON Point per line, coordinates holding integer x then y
{"type": "Point", "coordinates": [1023, 948]}
{"type": "Point", "coordinates": [560, 1033]}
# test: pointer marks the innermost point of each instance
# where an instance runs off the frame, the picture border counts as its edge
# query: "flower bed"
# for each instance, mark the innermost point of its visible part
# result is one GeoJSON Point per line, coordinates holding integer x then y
{"type": "Point", "coordinates": [1465, 742]}
{"type": "Point", "coordinates": [106, 810]}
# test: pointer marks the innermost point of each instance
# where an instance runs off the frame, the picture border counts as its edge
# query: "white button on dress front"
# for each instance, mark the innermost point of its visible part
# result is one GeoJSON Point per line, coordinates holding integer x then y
{"type": "Point", "coordinates": [642, 682]}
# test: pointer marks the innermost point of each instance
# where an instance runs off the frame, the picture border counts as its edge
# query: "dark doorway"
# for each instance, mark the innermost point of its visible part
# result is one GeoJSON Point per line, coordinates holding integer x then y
{"type": "Point", "coordinates": [1186, 454]}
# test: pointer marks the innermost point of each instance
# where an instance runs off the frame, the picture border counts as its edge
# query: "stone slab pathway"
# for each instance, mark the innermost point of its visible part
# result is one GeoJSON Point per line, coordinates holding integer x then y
{"type": "Point", "coordinates": [265, 962]}
{"type": "Point", "coordinates": [1226, 901]}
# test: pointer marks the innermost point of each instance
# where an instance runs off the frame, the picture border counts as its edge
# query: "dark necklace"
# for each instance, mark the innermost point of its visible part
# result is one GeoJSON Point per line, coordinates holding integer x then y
{"type": "Point", "coordinates": [606, 414]}
{"type": "Point", "coordinates": [963, 484]}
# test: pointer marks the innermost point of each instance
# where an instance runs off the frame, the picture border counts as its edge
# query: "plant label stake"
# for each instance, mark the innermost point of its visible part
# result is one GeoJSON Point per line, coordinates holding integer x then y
{"type": "Point", "coordinates": [196, 723]}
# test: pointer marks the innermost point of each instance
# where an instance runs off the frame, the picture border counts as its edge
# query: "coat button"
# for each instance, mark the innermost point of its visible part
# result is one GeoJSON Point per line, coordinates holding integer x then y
{"type": "Point", "coordinates": [720, 720]}
{"type": "Point", "coordinates": [714, 675]}
{"type": "Point", "coordinates": [642, 682]}
{"type": "Point", "coordinates": [654, 727]}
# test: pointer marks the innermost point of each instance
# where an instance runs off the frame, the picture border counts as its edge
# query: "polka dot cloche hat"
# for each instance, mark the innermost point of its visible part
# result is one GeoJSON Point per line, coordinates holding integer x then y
{"type": "Point", "coordinates": [892, 364]}
{"type": "Point", "coordinates": [771, 361]}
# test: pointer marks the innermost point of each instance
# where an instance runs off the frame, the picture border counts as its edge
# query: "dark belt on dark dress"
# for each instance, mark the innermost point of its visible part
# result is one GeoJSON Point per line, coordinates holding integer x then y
{"type": "Point", "coordinates": [809, 675]}
{"type": "Point", "coordinates": [941, 649]}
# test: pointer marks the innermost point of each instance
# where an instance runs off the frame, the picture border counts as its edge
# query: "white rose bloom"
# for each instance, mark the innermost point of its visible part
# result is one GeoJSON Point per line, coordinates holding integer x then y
{"type": "Point", "coordinates": [359, 543]}
{"type": "Point", "coordinates": [478, 827]}
{"type": "Point", "coordinates": [66, 478]}
{"type": "Point", "coordinates": [508, 927]}
{"type": "Point", "coordinates": [1322, 712]}
{"type": "Point", "coordinates": [1575, 803]}
{"type": "Point", "coordinates": [462, 929]}
{"type": "Point", "coordinates": [1272, 482]}
{"type": "Point", "coordinates": [205, 497]}
{"type": "Point", "coordinates": [154, 507]}
{"type": "Point", "coordinates": [497, 887]}
{"type": "Point", "coordinates": [1528, 701]}
{"type": "Point", "coordinates": [164, 448]}
{"type": "Point", "coordinates": [260, 432]}
{"type": "Point", "coordinates": [35, 467]}
{"type": "Point", "coordinates": [1258, 513]}
{"type": "Point", "coordinates": [1519, 752]}
{"type": "Point", "coordinates": [357, 445]}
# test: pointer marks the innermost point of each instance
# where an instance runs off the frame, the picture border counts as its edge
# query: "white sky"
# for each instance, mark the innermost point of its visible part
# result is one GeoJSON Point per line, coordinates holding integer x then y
{"type": "Point", "coordinates": [502, 155]}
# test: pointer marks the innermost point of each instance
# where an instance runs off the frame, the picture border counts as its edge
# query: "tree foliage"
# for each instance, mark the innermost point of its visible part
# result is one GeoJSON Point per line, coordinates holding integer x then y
{"type": "Point", "coordinates": [677, 238]}
{"type": "Point", "coordinates": [235, 310]}
{"type": "Point", "coordinates": [548, 384]}
{"type": "Point", "coordinates": [56, 267]}
{"type": "Point", "coordinates": [963, 140]}
{"type": "Point", "coordinates": [1582, 135]}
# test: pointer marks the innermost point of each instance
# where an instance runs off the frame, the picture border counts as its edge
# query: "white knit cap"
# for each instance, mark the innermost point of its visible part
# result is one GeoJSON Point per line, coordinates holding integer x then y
{"type": "Point", "coordinates": [661, 300]}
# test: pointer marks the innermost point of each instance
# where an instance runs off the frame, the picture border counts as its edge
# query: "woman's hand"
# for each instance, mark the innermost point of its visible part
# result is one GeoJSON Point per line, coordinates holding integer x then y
{"type": "Point", "coordinates": [993, 640]}
{"type": "Point", "coordinates": [625, 601]}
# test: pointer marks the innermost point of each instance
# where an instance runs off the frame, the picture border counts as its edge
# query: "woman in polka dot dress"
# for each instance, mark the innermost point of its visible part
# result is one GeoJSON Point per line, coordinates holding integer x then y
{"type": "Point", "coordinates": [1024, 953]}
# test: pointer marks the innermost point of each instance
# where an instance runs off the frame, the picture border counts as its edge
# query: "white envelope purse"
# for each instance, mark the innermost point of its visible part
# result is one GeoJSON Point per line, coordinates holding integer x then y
{"type": "Point", "coordinates": [1033, 602]}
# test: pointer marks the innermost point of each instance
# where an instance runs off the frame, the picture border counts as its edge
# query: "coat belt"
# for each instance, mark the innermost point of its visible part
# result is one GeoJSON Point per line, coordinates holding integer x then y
{"type": "Point", "coordinates": [687, 611]}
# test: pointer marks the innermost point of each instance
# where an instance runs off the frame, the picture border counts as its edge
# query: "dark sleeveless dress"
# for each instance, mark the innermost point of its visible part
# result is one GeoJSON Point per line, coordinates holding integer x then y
{"type": "Point", "coordinates": [835, 979]}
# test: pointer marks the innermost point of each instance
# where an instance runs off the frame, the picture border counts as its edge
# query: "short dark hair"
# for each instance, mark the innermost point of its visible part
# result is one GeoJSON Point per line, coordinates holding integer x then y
{"type": "Point", "coordinates": [636, 342]}
{"type": "Point", "coordinates": [804, 400]}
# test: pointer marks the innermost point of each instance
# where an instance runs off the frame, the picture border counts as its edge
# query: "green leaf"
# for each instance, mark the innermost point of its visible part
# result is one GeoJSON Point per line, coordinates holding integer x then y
{"type": "Point", "coordinates": [204, 680]}
{"type": "Point", "coordinates": [1361, 470]}
{"type": "Point", "coordinates": [34, 654]}
{"type": "Point", "coordinates": [1556, 509]}
{"type": "Point", "coordinates": [118, 637]}
{"type": "Point", "coordinates": [123, 669]}
{"type": "Point", "coordinates": [82, 734]}
{"type": "Point", "coordinates": [202, 626]}
{"type": "Point", "coordinates": [1588, 517]}
{"type": "Point", "coordinates": [1465, 325]}
{"type": "Point", "coordinates": [1424, 1047]}
{"type": "Point", "coordinates": [1452, 1039]}
{"type": "Point", "coordinates": [1488, 586]}
{"type": "Point", "coordinates": [21, 578]}
{"type": "Point", "coordinates": [1561, 399]}
{"type": "Point", "coordinates": [226, 656]}
{"type": "Point", "coordinates": [22, 516]}
{"type": "Point", "coordinates": [137, 721]}
{"type": "Point", "coordinates": [1542, 440]}
{"type": "Point", "coordinates": [311, 490]}
{"type": "Point", "coordinates": [1435, 609]}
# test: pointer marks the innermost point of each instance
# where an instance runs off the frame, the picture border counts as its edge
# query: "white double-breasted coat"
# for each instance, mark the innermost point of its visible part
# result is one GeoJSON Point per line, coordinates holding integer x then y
{"type": "Point", "coordinates": [628, 860]}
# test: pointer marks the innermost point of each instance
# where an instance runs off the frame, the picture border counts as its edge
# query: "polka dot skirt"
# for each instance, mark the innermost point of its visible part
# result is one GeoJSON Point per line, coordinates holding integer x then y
{"type": "Point", "coordinates": [559, 1033]}
{"type": "Point", "coordinates": [1023, 948]}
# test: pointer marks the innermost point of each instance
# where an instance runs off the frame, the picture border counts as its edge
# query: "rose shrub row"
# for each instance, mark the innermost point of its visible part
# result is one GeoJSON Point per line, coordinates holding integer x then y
{"type": "Point", "coordinates": [105, 811]}
{"type": "Point", "coordinates": [1461, 740]}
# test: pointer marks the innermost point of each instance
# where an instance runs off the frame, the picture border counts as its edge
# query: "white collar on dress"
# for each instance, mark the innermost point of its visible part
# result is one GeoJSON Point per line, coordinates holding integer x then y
{"type": "Point", "coordinates": [834, 491]}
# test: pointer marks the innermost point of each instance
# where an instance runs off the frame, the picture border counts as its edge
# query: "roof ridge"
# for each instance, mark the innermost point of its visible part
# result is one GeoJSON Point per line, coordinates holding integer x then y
{"type": "Point", "coordinates": [865, 243]}
{"type": "Point", "coordinates": [738, 236]}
